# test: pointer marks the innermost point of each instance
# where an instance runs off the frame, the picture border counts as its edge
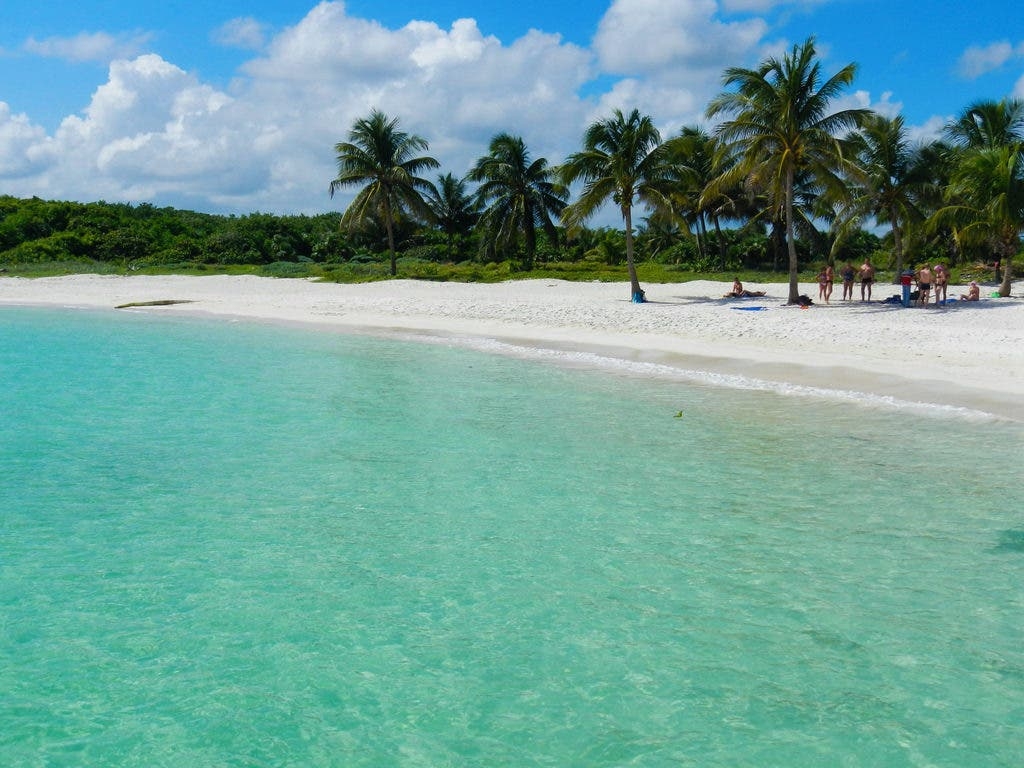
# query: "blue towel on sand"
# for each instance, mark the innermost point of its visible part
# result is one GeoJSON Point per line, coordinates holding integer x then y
{"type": "Point", "coordinates": [750, 309]}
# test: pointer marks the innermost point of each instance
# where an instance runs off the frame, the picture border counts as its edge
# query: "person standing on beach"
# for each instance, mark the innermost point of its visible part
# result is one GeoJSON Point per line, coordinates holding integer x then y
{"type": "Point", "coordinates": [822, 282]}
{"type": "Point", "coordinates": [924, 285]}
{"type": "Point", "coordinates": [830, 279]}
{"type": "Point", "coordinates": [941, 281]}
{"type": "Point", "coordinates": [867, 277]}
{"type": "Point", "coordinates": [848, 274]}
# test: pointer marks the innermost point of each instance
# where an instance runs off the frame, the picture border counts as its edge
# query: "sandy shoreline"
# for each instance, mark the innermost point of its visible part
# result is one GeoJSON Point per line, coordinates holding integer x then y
{"type": "Point", "coordinates": [962, 355]}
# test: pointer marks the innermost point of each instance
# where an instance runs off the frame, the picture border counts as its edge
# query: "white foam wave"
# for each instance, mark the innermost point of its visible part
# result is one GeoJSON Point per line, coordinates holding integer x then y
{"type": "Point", "coordinates": [645, 369]}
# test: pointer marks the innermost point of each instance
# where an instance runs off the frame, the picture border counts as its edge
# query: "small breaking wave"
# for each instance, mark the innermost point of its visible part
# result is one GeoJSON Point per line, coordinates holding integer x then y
{"type": "Point", "coordinates": [666, 372]}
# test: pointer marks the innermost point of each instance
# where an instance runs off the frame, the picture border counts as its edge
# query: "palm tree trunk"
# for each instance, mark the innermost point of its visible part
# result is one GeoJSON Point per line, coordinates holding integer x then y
{"type": "Point", "coordinates": [704, 231]}
{"type": "Point", "coordinates": [723, 253]}
{"type": "Point", "coordinates": [389, 226]}
{"type": "Point", "coordinates": [634, 283]}
{"type": "Point", "coordinates": [1006, 258]}
{"type": "Point", "coordinates": [897, 242]}
{"type": "Point", "coordinates": [794, 279]}
{"type": "Point", "coordinates": [530, 236]}
{"type": "Point", "coordinates": [701, 237]}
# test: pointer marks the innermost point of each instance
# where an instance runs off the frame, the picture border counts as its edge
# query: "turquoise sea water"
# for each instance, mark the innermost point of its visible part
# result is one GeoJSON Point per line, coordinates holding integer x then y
{"type": "Point", "coordinates": [237, 545]}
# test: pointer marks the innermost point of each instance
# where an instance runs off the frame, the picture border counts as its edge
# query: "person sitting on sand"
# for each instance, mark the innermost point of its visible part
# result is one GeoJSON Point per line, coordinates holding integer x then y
{"type": "Point", "coordinates": [867, 277]}
{"type": "Point", "coordinates": [973, 293]}
{"type": "Point", "coordinates": [739, 292]}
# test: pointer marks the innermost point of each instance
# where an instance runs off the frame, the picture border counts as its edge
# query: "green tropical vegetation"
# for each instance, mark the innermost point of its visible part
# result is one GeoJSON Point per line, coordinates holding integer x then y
{"type": "Point", "coordinates": [783, 183]}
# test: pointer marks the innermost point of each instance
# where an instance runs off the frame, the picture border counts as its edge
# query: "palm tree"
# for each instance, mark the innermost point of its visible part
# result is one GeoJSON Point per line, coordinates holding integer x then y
{"type": "Point", "coordinates": [454, 209]}
{"type": "Point", "coordinates": [696, 160]}
{"type": "Point", "coordinates": [988, 124]}
{"type": "Point", "coordinates": [781, 127]}
{"type": "Point", "coordinates": [623, 160]}
{"type": "Point", "coordinates": [893, 179]}
{"type": "Point", "coordinates": [984, 194]}
{"type": "Point", "coordinates": [519, 194]}
{"type": "Point", "coordinates": [987, 194]}
{"type": "Point", "coordinates": [382, 157]}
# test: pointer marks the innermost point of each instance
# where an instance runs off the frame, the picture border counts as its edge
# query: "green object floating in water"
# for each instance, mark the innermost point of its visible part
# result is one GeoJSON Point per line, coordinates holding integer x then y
{"type": "Point", "coordinates": [679, 415]}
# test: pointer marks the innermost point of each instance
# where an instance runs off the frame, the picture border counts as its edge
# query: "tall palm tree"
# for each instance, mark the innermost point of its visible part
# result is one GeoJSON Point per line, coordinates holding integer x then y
{"type": "Point", "coordinates": [519, 194]}
{"type": "Point", "coordinates": [893, 180]}
{"type": "Point", "coordinates": [985, 186]}
{"type": "Point", "coordinates": [623, 160]}
{"type": "Point", "coordinates": [781, 125]}
{"type": "Point", "coordinates": [987, 203]}
{"type": "Point", "coordinates": [455, 210]}
{"type": "Point", "coordinates": [381, 157]}
{"type": "Point", "coordinates": [696, 159]}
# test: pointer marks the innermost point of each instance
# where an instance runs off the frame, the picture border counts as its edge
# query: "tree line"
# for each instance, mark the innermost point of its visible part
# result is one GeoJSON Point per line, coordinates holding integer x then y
{"type": "Point", "coordinates": [781, 161]}
{"type": "Point", "coordinates": [784, 180]}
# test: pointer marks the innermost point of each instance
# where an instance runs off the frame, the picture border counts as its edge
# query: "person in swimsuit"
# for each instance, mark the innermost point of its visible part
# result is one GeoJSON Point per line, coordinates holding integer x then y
{"type": "Point", "coordinates": [867, 277]}
{"type": "Point", "coordinates": [830, 280]}
{"type": "Point", "coordinates": [941, 281]}
{"type": "Point", "coordinates": [973, 293]}
{"type": "Point", "coordinates": [739, 292]}
{"type": "Point", "coordinates": [822, 282]}
{"type": "Point", "coordinates": [924, 285]}
{"type": "Point", "coordinates": [848, 274]}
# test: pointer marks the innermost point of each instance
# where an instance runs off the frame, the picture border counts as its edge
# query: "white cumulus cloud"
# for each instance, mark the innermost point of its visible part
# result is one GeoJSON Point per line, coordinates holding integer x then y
{"type": "Point", "coordinates": [154, 131]}
{"type": "Point", "coordinates": [979, 60]}
{"type": "Point", "coordinates": [89, 46]}
{"type": "Point", "coordinates": [244, 32]}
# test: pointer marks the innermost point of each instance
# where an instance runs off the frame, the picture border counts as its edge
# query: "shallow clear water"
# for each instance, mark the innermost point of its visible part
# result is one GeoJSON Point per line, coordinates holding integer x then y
{"type": "Point", "coordinates": [227, 544]}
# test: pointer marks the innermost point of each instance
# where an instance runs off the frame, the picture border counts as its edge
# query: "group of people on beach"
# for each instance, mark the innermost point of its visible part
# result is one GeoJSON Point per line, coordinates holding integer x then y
{"type": "Point", "coordinates": [928, 278]}
{"type": "Point", "coordinates": [865, 275]}
{"type": "Point", "coordinates": [936, 280]}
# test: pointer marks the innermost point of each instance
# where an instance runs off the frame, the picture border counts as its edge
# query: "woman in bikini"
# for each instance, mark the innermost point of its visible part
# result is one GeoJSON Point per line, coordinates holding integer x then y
{"type": "Point", "coordinates": [941, 281]}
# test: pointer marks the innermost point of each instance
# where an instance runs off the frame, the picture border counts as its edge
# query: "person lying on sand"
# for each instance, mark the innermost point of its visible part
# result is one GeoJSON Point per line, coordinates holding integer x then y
{"type": "Point", "coordinates": [973, 293]}
{"type": "Point", "coordinates": [739, 292]}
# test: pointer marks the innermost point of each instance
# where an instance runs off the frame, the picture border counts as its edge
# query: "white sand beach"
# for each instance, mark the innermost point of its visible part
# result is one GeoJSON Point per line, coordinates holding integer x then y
{"type": "Point", "coordinates": [963, 354]}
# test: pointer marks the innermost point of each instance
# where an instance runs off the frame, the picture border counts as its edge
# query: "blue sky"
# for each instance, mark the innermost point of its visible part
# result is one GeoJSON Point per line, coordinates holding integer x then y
{"type": "Point", "coordinates": [235, 106]}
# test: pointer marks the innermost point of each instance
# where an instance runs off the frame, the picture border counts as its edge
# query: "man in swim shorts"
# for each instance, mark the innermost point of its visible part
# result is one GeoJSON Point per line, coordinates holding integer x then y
{"type": "Point", "coordinates": [924, 285]}
{"type": "Point", "coordinates": [867, 277]}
